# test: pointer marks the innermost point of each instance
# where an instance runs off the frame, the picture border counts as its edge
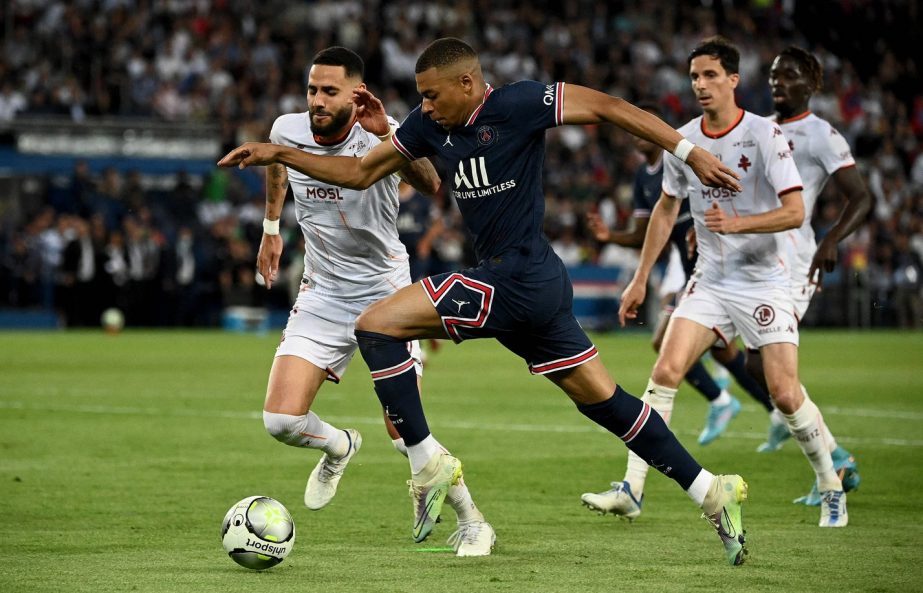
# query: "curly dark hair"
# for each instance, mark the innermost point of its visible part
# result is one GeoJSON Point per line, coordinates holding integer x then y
{"type": "Point", "coordinates": [810, 65]}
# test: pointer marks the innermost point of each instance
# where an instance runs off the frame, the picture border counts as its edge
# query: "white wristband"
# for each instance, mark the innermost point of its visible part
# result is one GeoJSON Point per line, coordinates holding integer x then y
{"type": "Point", "coordinates": [270, 227]}
{"type": "Point", "coordinates": [387, 136]}
{"type": "Point", "coordinates": [682, 150]}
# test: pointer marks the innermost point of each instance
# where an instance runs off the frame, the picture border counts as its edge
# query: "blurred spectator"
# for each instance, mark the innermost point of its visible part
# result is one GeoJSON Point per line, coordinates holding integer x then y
{"type": "Point", "coordinates": [239, 65]}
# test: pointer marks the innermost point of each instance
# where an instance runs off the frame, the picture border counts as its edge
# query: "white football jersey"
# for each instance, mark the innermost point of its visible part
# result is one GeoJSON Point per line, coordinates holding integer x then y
{"type": "Point", "coordinates": [819, 152]}
{"type": "Point", "coordinates": [758, 151]}
{"type": "Point", "coordinates": [352, 249]}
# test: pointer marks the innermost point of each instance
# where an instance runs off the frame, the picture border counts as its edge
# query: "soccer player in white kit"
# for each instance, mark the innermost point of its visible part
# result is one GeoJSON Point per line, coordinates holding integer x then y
{"type": "Point", "coordinates": [821, 154]}
{"type": "Point", "coordinates": [352, 258]}
{"type": "Point", "coordinates": [740, 285]}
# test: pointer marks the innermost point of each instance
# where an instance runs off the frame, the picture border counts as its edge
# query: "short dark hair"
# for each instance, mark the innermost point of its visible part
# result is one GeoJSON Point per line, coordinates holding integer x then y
{"type": "Point", "coordinates": [810, 65]}
{"type": "Point", "coordinates": [444, 52]}
{"type": "Point", "coordinates": [720, 48]}
{"type": "Point", "coordinates": [341, 56]}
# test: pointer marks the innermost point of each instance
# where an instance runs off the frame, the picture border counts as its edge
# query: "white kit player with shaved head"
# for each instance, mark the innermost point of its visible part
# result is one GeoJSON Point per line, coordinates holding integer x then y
{"type": "Point", "coordinates": [741, 285]}
{"type": "Point", "coordinates": [353, 258]}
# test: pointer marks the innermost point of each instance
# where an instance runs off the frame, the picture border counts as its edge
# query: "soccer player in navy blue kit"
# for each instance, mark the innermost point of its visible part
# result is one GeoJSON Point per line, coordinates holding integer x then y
{"type": "Point", "coordinates": [493, 143]}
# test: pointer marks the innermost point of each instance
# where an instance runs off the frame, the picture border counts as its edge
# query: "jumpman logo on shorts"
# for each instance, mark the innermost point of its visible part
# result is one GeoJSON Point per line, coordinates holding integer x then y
{"type": "Point", "coordinates": [460, 304]}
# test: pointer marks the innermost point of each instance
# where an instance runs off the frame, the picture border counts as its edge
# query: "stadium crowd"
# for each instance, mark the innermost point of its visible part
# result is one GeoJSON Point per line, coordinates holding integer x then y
{"type": "Point", "coordinates": [180, 253]}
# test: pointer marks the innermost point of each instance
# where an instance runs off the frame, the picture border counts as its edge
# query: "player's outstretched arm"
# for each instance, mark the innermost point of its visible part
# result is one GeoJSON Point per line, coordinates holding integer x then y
{"type": "Point", "coordinates": [659, 227]}
{"type": "Point", "coordinates": [422, 176]}
{"type": "Point", "coordinates": [351, 172]}
{"type": "Point", "coordinates": [583, 105]}
{"type": "Point", "coordinates": [859, 202]}
{"type": "Point", "coordinates": [789, 215]}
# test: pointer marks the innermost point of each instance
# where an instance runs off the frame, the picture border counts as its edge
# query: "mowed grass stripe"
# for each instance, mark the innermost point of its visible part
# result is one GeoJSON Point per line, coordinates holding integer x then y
{"type": "Point", "coordinates": [132, 500]}
{"type": "Point", "coordinates": [461, 425]}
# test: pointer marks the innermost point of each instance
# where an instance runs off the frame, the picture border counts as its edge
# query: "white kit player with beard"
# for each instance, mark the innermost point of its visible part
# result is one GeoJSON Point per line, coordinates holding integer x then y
{"type": "Point", "coordinates": [352, 253]}
{"type": "Point", "coordinates": [353, 258]}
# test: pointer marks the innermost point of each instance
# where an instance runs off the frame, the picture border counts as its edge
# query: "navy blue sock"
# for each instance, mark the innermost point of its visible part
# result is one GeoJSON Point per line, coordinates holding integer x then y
{"type": "Point", "coordinates": [645, 433]}
{"type": "Point", "coordinates": [738, 369]}
{"type": "Point", "coordinates": [395, 381]}
{"type": "Point", "coordinates": [699, 378]}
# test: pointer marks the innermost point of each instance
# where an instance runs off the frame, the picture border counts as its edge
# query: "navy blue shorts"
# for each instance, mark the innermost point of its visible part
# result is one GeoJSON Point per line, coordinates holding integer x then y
{"type": "Point", "coordinates": [533, 319]}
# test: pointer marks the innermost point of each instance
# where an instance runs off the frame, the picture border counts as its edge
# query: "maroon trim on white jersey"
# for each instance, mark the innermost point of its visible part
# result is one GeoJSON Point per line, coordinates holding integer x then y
{"type": "Point", "coordinates": [331, 376]}
{"type": "Point", "coordinates": [794, 118]}
{"type": "Point", "coordinates": [789, 190]}
{"type": "Point", "coordinates": [725, 131]}
{"type": "Point", "coordinates": [437, 293]}
{"type": "Point", "coordinates": [640, 421]}
{"type": "Point", "coordinates": [564, 363]}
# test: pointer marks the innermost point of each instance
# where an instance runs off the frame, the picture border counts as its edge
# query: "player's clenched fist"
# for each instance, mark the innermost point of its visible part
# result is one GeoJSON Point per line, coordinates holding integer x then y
{"type": "Point", "coordinates": [717, 220]}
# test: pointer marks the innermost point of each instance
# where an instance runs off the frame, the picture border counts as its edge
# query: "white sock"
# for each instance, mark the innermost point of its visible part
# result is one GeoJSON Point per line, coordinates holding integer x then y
{"type": "Point", "coordinates": [805, 425]}
{"type": "Point", "coordinates": [699, 487]}
{"type": "Point", "coordinates": [399, 446]}
{"type": "Point", "coordinates": [825, 432]}
{"type": "Point", "coordinates": [422, 452]}
{"type": "Point", "coordinates": [661, 399]}
{"type": "Point", "coordinates": [776, 417]}
{"type": "Point", "coordinates": [459, 498]}
{"type": "Point", "coordinates": [723, 399]}
{"type": "Point", "coordinates": [306, 431]}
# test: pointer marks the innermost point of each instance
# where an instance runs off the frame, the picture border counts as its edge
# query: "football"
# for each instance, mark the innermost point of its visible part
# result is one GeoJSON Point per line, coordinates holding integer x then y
{"type": "Point", "coordinates": [112, 320]}
{"type": "Point", "coordinates": [258, 532]}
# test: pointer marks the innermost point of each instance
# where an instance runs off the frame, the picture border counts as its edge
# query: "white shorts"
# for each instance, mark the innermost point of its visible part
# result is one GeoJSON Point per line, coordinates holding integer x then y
{"type": "Point", "coordinates": [320, 330]}
{"type": "Point", "coordinates": [802, 293]}
{"type": "Point", "coordinates": [759, 318]}
{"type": "Point", "coordinates": [674, 277]}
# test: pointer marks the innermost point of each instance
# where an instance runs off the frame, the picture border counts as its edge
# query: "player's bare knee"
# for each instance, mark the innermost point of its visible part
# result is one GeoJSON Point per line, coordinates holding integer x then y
{"type": "Point", "coordinates": [666, 373]}
{"type": "Point", "coordinates": [370, 321]}
{"type": "Point", "coordinates": [787, 400]}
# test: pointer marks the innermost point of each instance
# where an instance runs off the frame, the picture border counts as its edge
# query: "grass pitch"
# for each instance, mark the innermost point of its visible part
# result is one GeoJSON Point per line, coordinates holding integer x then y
{"type": "Point", "coordinates": [120, 455]}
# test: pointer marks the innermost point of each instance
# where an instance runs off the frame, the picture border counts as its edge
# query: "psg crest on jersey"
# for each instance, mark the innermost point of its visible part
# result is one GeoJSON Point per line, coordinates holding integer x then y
{"type": "Point", "coordinates": [486, 135]}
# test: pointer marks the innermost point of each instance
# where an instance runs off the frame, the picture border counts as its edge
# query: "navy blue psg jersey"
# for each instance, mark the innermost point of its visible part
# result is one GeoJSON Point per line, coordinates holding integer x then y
{"type": "Point", "coordinates": [495, 166]}
{"type": "Point", "coordinates": [648, 185]}
{"type": "Point", "coordinates": [414, 219]}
